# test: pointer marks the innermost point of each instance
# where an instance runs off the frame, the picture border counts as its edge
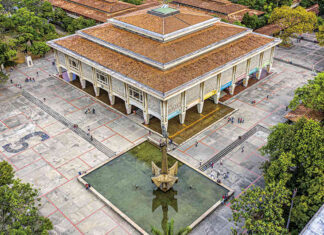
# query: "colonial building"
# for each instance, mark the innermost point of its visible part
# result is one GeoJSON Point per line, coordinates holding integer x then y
{"type": "Point", "coordinates": [164, 61]}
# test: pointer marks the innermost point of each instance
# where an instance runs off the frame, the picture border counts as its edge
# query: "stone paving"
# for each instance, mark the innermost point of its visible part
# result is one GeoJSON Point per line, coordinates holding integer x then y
{"type": "Point", "coordinates": [52, 165]}
{"type": "Point", "coordinates": [305, 53]}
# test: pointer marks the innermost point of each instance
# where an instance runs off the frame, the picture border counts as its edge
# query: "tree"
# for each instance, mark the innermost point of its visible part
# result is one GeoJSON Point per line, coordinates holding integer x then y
{"type": "Point", "coordinates": [170, 230]}
{"type": "Point", "coordinates": [310, 95]}
{"type": "Point", "coordinates": [79, 23]}
{"type": "Point", "coordinates": [262, 209]}
{"type": "Point", "coordinates": [291, 21]}
{"type": "Point", "coordinates": [320, 35]}
{"type": "Point", "coordinates": [18, 209]}
{"type": "Point", "coordinates": [250, 21]}
{"type": "Point", "coordinates": [7, 52]}
{"type": "Point", "coordinates": [296, 156]}
{"type": "Point", "coordinates": [39, 48]}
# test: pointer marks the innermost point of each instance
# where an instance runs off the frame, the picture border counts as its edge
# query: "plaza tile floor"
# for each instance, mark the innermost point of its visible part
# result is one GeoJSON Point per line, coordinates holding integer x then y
{"type": "Point", "coordinates": [52, 164]}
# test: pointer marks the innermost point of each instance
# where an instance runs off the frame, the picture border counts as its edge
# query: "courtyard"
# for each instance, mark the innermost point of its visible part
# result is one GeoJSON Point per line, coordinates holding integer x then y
{"type": "Point", "coordinates": [52, 164]}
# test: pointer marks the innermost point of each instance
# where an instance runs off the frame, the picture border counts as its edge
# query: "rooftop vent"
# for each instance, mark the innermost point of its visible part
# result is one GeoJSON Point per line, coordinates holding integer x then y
{"type": "Point", "coordinates": [163, 11]}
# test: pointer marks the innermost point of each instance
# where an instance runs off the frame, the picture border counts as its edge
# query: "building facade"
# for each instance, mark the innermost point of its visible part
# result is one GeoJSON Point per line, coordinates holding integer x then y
{"type": "Point", "coordinates": [164, 61]}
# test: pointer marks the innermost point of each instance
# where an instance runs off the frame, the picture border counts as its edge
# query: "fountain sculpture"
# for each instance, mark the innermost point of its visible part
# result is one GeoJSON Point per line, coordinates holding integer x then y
{"type": "Point", "coordinates": [164, 178]}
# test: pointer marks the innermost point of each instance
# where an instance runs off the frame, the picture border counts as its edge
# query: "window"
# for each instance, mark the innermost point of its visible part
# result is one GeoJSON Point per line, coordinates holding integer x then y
{"type": "Point", "coordinates": [102, 78]}
{"type": "Point", "coordinates": [136, 94]}
{"type": "Point", "coordinates": [73, 64]}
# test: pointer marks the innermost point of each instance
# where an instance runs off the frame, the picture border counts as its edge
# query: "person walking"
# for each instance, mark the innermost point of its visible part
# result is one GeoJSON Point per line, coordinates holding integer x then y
{"type": "Point", "coordinates": [93, 111]}
{"type": "Point", "coordinates": [44, 99]}
{"type": "Point", "coordinates": [91, 138]}
{"type": "Point", "coordinates": [196, 144]}
{"type": "Point", "coordinates": [242, 149]}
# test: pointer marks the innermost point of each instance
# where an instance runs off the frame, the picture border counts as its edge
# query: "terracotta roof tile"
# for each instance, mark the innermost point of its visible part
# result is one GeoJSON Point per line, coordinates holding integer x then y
{"type": "Point", "coordinates": [162, 80]}
{"type": "Point", "coordinates": [164, 25]}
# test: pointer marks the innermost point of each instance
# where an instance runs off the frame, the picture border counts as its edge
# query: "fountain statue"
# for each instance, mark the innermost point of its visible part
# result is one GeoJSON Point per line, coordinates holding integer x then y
{"type": "Point", "coordinates": [164, 178]}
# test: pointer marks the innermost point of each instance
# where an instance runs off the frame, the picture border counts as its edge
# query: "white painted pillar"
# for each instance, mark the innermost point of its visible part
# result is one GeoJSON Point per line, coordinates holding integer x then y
{"type": "Point", "coordinates": [128, 106]}
{"type": "Point", "coordinates": [70, 75]}
{"type": "Point", "coordinates": [216, 97]}
{"type": "Point", "coordinates": [95, 82]}
{"type": "Point", "coordinates": [269, 67]}
{"type": "Point", "coordinates": [258, 75]}
{"type": "Point", "coordinates": [182, 115]}
{"type": "Point", "coordinates": [146, 114]}
{"type": "Point", "coordinates": [232, 87]}
{"type": "Point", "coordinates": [83, 83]}
{"type": "Point", "coordinates": [59, 68]}
{"type": "Point", "coordinates": [200, 105]}
{"type": "Point", "coordinates": [247, 71]}
{"type": "Point", "coordinates": [110, 91]}
{"type": "Point", "coordinates": [164, 115]}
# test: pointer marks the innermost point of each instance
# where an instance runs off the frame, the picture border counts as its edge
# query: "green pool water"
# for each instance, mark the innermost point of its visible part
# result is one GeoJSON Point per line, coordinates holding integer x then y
{"type": "Point", "coordinates": [126, 183]}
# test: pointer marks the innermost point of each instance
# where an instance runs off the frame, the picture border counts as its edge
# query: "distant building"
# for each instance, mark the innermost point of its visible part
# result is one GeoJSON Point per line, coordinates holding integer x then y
{"type": "Point", "coordinates": [100, 10]}
{"type": "Point", "coordinates": [221, 8]}
{"type": "Point", "coordinates": [164, 61]}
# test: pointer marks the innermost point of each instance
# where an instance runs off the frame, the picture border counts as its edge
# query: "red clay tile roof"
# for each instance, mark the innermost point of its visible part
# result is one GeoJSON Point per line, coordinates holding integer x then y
{"type": "Point", "coordinates": [269, 29]}
{"type": "Point", "coordinates": [307, 113]}
{"type": "Point", "coordinates": [163, 81]}
{"type": "Point", "coordinates": [80, 10]}
{"type": "Point", "coordinates": [164, 25]}
{"type": "Point", "coordinates": [163, 52]}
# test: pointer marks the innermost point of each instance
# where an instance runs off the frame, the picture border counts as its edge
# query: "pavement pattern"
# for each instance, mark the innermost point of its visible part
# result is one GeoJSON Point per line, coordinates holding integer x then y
{"type": "Point", "coordinates": [52, 164]}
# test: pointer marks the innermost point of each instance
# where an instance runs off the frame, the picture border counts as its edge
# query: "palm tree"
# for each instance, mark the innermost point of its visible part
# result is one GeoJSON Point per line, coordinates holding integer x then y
{"type": "Point", "coordinates": [170, 231]}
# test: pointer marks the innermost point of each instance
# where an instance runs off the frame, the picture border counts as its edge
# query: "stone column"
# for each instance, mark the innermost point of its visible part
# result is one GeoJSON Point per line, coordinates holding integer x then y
{"type": "Point", "coordinates": [164, 115]}
{"type": "Point", "coordinates": [247, 71]}
{"type": "Point", "coordinates": [200, 105]}
{"type": "Point", "coordinates": [182, 115]}
{"type": "Point", "coordinates": [216, 97]}
{"type": "Point", "coordinates": [95, 82]}
{"type": "Point", "coordinates": [59, 69]}
{"type": "Point", "coordinates": [259, 73]}
{"type": "Point", "coordinates": [83, 83]}
{"type": "Point", "coordinates": [70, 75]}
{"type": "Point", "coordinates": [269, 67]}
{"type": "Point", "coordinates": [146, 114]}
{"type": "Point", "coordinates": [110, 91]}
{"type": "Point", "coordinates": [128, 106]}
{"type": "Point", "coordinates": [232, 87]}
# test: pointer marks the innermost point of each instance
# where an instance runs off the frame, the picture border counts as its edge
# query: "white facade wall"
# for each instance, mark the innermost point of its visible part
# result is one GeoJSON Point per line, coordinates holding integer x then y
{"type": "Point", "coordinates": [153, 105]}
{"type": "Point", "coordinates": [240, 69]}
{"type": "Point", "coordinates": [210, 85]}
{"type": "Point", "coordinates": [86, 71]}
{"type": "Point", "coordinates": [266, 57]}
{"type": "Point", "coordinates": [61, 58]}
{"type": "Point", "coordinates": [118, 87]}
{"type": "Point", "coordinates": [254, 62]}
{"type": "Point", "coordinates": [226, 76]}
{"type": "Point", "coordinates": [192, 94]}
{"type": "Point", "coordinates": [174, 104]}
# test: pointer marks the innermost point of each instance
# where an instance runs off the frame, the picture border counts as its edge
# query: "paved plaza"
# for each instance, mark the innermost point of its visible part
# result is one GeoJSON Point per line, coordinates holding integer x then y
{"type": "Point", "coordinates": [48, 154]}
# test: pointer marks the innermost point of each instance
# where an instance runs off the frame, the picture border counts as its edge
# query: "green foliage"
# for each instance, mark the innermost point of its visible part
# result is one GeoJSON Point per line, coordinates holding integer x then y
{"type": "Point", "coordinates": [310, 95]}
{"type": "Point", "coordinates": [307, 3]}
{"type": "Point", "coordinates": [296, 157]}
{"type": "Point", "coordinates": [170, 230]}
{"type": "Point", "coordinates": [6, 173]}
{"type": "Point", "coordinates": [135, 2]}
{"type": "Point", "coordinates": [79, 23]}
{"type": "Point", "coordinates": [7, 51]}
{"type": "Point", "coordinates": [320, 35]}
{"type": "Point", "coordinates": [3, 78]}
{"type": "Point", "coordinates": [292, 21]}
{"type": "Point", "coordinates": [262, 210]}
{"type": "Point", "coordinates": [39, 48]}
{"type": "Point", "coordinates": [239, 24]}
{"type": "Point", "coordinates": [250, 21]}
{"type": "Point", "coordinates": [19, 206]}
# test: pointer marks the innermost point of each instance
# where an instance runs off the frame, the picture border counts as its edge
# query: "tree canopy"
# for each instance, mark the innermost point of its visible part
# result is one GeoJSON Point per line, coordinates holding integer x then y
{"type": "Point", "coordinates": [19, 206]}
{"type": "Point", "coordinates": [296, 157]}
{"type": "Point", "coordinates": [293, 21]}
{"type": "Point", "coordinates": [310, 95]}
{"type": "Point", "coordinates": [262, 209]}
{"type": "Point", "coordinates": [320, 35]}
